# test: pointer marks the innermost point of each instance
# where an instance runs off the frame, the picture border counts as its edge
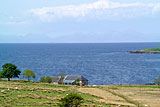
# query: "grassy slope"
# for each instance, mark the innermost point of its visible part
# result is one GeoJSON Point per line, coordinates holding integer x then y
{"type": "Point", "coordinates": [20, 93]}
{"type": "Point", "coordinates": [153, 49]}
{"type": "Point", "coordinates": [138, 95]}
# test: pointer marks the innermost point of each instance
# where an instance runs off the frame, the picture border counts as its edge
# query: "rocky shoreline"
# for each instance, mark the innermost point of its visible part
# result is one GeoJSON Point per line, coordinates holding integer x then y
{"type": "Point", "coordinates": [144, 52]}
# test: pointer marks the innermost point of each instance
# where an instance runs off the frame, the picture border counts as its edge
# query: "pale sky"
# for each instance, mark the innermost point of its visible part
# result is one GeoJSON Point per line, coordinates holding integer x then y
{"type": "Point", "coordinates": [79, 21]}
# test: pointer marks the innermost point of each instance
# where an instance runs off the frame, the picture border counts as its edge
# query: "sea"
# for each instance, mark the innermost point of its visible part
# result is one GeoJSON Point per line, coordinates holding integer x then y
{"type": "Point", "coordinates": [100, 63]}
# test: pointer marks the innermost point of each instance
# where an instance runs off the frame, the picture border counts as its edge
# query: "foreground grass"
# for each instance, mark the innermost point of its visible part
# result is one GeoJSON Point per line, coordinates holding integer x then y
{"type": "Point", "coordinates": [136, 95]}
{"type": "Point", "coordinates": [140, 86]}
{"type": "Point", "coordinates": [21, 93]}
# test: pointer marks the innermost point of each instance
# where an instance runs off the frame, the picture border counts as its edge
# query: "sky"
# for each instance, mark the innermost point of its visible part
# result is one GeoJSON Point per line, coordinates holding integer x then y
{"type": "Point", "coordinates": [79, 21]}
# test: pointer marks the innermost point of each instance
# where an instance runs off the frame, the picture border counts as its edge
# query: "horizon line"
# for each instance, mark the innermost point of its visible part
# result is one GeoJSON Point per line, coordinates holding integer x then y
{"type": "Point", "coordinates": [70, 42]}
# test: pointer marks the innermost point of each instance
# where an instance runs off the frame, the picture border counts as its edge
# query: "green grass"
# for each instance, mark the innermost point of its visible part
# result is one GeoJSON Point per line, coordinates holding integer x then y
{"type": "Point", "coordinates": [16, 97]}
{"type": "Point", "coordinates": [45, 85]}
{"type": "Point", "coordinates": [28, 98]}
{"type": "Point", "coordinates": [32, 84]}
{"type": "Point", "coordinates": [21, 93]}
{"type": "Point", "coordinates": [153, 49]}
{"type": "Point", "coordinates": [34, 94]}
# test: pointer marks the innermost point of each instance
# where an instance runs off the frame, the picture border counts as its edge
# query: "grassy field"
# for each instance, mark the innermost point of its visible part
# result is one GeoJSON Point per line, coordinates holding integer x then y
{"type": "Point", "coordinates": [20, 93]}
{"type": "Point", "coordinates": [153, 49]}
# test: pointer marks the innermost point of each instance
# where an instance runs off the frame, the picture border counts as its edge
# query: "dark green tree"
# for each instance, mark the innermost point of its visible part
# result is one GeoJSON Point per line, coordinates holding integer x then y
{"type": "Point", "coordinates": [9, 71]}
{"type": "Point", "coordinates": [28, 74]}
{"type": "Point", "coordinates": [71, 100]}
{"type": "Point", "coordinates": [47, 79]}
{"type": "Point", "coordinates": [42, 79]}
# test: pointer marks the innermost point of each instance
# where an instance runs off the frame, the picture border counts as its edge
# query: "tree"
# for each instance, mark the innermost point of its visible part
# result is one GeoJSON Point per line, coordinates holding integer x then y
{"type": "Point", "coordinates": [46, 79]}
{"type": "Point", "coordinates": [9, 71]}
{"type": "Point", "coordinates": [61, 78]}
{"type": "Point", "coordinates": [42, 79]}
{"type": "Point", "coordinates": [28, 74]}
{"type": "Point", "coordinates": [71, 100]}
{"type": "Point", "coordinates": [157, 81]}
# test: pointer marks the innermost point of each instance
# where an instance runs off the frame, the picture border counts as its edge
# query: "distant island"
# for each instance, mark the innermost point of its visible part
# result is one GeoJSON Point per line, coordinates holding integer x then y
{"type": "Point", "coordinates": [147, 51]}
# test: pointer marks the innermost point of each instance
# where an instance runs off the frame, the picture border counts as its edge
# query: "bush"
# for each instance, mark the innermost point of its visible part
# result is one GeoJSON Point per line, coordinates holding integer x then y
{"type": "Point", "coordinates": [42, 79]}
{"type": "Point", "coordinates": [71, 100]}
{"type": "Point", "coordinates": [46, 79]}
{"type": "Point", "coordinates": [76, 82]}
{"type": "Point", "coordinates": [157, 81]}
{"type": "Point", "coordinates": [28, 74]}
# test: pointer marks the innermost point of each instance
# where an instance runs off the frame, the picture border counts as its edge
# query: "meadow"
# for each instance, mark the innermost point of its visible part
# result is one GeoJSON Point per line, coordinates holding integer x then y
{"type": "Point", "coordinates": [21, 93]}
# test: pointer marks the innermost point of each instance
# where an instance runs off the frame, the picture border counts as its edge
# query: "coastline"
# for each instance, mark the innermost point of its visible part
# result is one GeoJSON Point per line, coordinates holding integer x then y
{"type": "Point", "coordinates": [144, 52]}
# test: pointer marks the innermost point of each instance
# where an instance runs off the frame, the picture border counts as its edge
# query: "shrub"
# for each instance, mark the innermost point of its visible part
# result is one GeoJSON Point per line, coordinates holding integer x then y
{"type": "Point", "coordinates": [42, 79]}
{"type": "Point", "coordinates": [76, 82]}
{"type": "Point", "coordinates": [28, 74]}
{"type": "Point", "coordinates": [46, 79]}
{"type": "Point", "coordinates": [71, 100]}
{"type": "Point", "coordinates": [157, 81]}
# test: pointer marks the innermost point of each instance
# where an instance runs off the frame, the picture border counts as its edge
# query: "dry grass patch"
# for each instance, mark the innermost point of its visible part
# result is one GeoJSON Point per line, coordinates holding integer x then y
{"type": "Point", "coordinates": [106, 97]}
{"type": "Point", "coordinates": [140, 96]}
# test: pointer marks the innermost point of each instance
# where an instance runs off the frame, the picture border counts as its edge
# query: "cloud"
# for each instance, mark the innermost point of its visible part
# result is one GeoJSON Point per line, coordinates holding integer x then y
{"type": "Point", "coordinates": [14, 20]}
{"type": "Point", "coordinates": [156, 8]}
{"type": "Point", "coordinates": [101, 9]}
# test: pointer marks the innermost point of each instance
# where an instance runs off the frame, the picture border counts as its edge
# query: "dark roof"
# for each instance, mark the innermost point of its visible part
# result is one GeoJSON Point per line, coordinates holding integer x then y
{"type": "Point", "coordinates": [74, 77]}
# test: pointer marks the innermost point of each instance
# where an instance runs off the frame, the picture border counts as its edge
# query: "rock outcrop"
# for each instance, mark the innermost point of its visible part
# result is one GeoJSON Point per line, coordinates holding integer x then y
{"type": "Point", "coordinates": [144, 52]}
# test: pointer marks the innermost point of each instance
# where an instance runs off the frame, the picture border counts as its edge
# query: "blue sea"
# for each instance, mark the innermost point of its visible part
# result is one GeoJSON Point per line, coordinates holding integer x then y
{"type": "Point", "coordinates": [100, 63]}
